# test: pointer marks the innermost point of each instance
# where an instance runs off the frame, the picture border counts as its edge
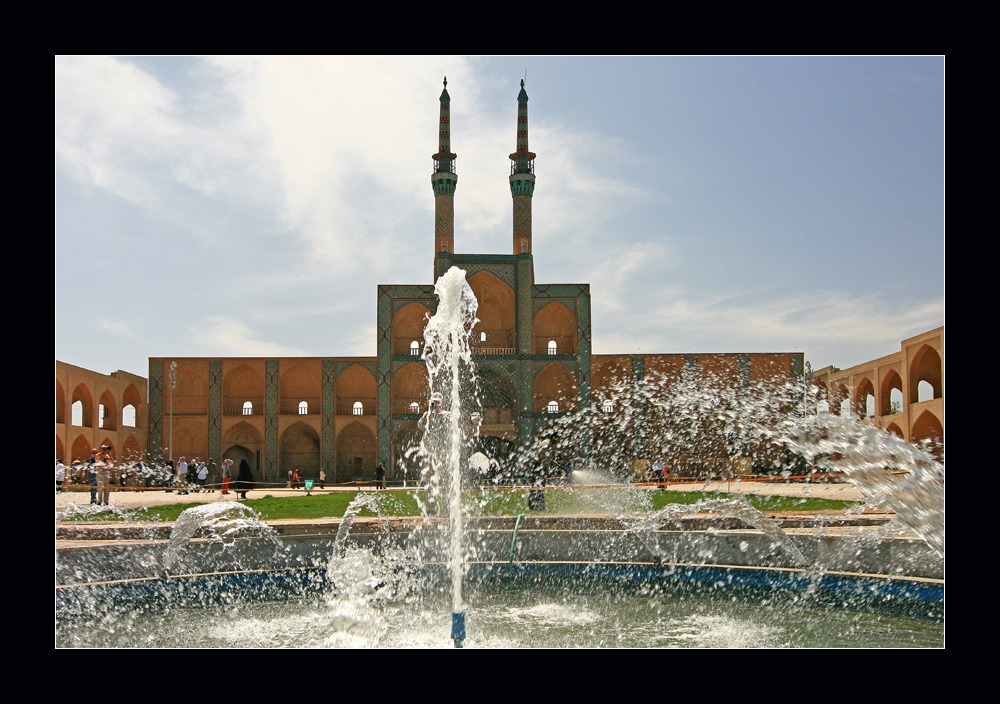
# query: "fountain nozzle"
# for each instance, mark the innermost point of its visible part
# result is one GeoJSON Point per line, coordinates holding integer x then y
{"type": "Point", "coordinates": [458, 628]}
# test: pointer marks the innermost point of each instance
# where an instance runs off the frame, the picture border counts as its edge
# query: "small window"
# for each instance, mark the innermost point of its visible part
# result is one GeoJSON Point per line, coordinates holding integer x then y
{"type": "Point", "coordinates": [303, 408]}
{"type": "Point", "coordinates": [128, 416]}
{"type": "Point", "coordinates": [444, 245]}
{"type": "Point", "coordinates": [76, 413]}
{"type": "Point", "coordinates": [248, 409]}
{"type": "Point", "coordinates": [415, 348]}
{"type": "Point", "coordinates": [414, 407]}
{"type": "Point", "coordinates": [553, 407]}
{"type": "Point", "coordinates": [524, 246]}
{"type": "Point", "coordinates": [102, 413]}
{"type": "Point", "coordinates": [553, 347]}
{"type": "Point", "coordinates": [608, 406]}
{"type": "Point", "coordinates": [359, 408]}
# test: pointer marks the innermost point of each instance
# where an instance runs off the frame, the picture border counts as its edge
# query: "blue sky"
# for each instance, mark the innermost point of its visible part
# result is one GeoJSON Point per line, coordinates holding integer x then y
{"type": "Point", "coordinates": [250, 206]}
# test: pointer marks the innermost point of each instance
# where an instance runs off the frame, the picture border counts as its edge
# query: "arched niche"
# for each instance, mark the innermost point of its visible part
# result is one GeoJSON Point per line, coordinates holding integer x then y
{"type": "Point", "coordinates": [82, 396]}
{"type": "Point", "coordinates": [925, 366]}
{"type": "Point", "coordinates": [109, 412]}
{"type": "Point", "coordinates": [555, 383]}
{"type": "Point", "coordinates": [891, 382]}
{"type": "Point", "coordinates": [554, 323]}
{"type": "Point", "coordinates": [497, 312]}
{"type": "Point", "coordinates": [356, 452]}
{"type": "Point", "coordinates": [299, 447]}
{"type": "Point", "coordinates": [864, 398]}
{"type": "Point", "coordinates": [239, 386]}
{"type": "Point", "coordinates": [410, 385]}
{"type": "Point", "coordinates": [356, 385]}
{"type": "Point", "coordinates": [191, 394]}
{"type": "Point", "coordinates": [408, 327]}
{"type": "Point", "coordinates": [301, 383]}
{"type": "Point", "coordinates": [927, 428]}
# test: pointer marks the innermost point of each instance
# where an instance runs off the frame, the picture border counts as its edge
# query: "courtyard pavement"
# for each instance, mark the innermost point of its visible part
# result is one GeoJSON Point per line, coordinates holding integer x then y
{"type": "Point", "coordinates": [158, 497]}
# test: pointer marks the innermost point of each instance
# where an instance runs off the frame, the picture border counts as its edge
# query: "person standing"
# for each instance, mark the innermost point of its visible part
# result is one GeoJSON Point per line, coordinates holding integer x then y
{"type": "Point", "coordinates": [182, 474]}
{"type": "Point", "coordinates": [244, 480]}
{"type": "Point", "coordinates": [202, 477]}
{"type": "Point", "coordinates": [380, 476]}
{"type": "Point", "coordinates": [322, 479]}
{"type": "Point", "coordinates": [92, 475]}
{"type": "Point", "coordinates": [60, 475]}
{"type": "Point", "coordinates": [296, 479]}
{"type": "Point", "coordinates": [227, 474]}
{"type": "Point", "coordinates": [102, 463]}
{"type": "Point", "coordinates": [213, 472]}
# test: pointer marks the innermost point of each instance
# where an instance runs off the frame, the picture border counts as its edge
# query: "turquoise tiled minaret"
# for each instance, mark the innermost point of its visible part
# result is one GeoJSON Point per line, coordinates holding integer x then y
{"type": "Point", "coordinates": [444, 180]}
{"type": "Point", "coordinates": [522, 178]}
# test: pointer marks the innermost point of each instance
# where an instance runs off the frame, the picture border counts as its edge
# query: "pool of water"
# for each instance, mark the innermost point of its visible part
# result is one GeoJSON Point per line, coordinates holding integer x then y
{"type": "Point", "coordinates": [522, 609]}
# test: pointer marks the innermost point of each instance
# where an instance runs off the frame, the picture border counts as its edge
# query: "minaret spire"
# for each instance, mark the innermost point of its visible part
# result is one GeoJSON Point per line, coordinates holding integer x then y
{"type": "Point", "coordinates": [443, 180]}
{"type": "Point", "coordinates": [522, 178]}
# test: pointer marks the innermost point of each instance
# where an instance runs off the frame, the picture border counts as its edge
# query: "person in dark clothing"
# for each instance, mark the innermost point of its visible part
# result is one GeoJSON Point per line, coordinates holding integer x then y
{"type": "Point", "coordinates": [244, 480]}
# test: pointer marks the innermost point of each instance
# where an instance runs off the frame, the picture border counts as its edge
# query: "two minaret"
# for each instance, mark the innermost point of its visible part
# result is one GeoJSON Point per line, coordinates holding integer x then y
{"type": "Point", "coordinates": [444, 179]}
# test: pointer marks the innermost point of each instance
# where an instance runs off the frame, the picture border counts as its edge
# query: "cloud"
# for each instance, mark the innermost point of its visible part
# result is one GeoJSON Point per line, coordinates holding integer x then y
{"type": "Point", "coordinates": [119, 329]}
{"type": "Point", "coordinates": [226, 337]}
{"type": "Point", "coordinates": [832, 327]}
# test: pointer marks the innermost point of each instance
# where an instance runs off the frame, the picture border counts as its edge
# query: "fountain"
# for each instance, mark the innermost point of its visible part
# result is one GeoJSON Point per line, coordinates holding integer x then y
{"type": "Point", "coordinates": [616, 572]}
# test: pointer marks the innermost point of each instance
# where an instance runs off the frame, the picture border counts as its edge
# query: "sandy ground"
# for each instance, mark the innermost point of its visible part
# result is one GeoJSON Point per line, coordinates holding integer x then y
{"type": "Point", "coordinates": [158, 497]}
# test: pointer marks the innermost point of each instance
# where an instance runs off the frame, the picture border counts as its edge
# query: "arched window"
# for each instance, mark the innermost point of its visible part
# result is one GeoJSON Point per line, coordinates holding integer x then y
{"type": "Point", "coordinates": [415, 348]}
{"type": "Point", "coordinates": [128, 416]}
{"type": "Point", "coordinates": [303, 408]}
{"type": "Point", "coordinates": [359, 408]}
{"type": "Point", "coordinates": [76, 413]}
{"type": "Point", "coordinates": [102, 413]}
{"type": "Point", "coordinates": [553, 407]}
{"type": "Point", "coordinates": [248, 408]}
{"type": "Point", "coordinates": [482, 337]}
{"type": "Point", "coordinates": [608, 406]}
{"type": "Point", "coordinates": [553, 347]}
{"type": "Point", "coordinates": [414, 407]}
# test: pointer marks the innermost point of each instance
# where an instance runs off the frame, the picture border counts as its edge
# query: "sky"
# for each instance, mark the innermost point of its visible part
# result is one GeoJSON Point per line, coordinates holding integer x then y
{"type": "Point", "coordinates": [250, 206]}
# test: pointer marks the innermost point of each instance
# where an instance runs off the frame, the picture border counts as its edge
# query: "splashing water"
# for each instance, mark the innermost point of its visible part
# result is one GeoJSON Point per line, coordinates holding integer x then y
{"type": "Point", "coordinates": [887, 469]}
{"type": "Point", "coordinates": [228, 520]}
{"type": "Point", "coordinates": [447, 433]}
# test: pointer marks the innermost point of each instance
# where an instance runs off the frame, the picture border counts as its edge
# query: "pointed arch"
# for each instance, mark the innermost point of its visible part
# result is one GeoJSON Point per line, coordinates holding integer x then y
{"type": "Point", "coordinates": [497, 311]}
{"type": "Point", "coordinates": [410, 385]}
{"type": "Point", "coordinates": [554, 323]}
{"type": "Point", "coordinates": [926, 366]}
{"type": "Point", "coordinates": [60, 402]}
{"type": "Point", "coordinates": [354, 385]}
{"type": "Point", "coordinates": [300, 384]}
{"type": "Point", "coordinates": [81, 449]}
{"type": "Point", "coordinates": [555, 383]}
{"type": "Point", "coordinates": [82, 396]}
{"type": "Point", "coordinates": [300, 447]}
{"type": "Point", "coordinates": [408, 327]}
{"type": "Point", "coordinates": [108, 411]}
{"type": "Point", "coordinates": [240, 386]}
{"type": "Point", "coordinates": [356, 452]}
{"type": "Point", "coordinates": [891, 382]}
{"type": "Point", "coordinates": [928, 428]}
{"type": "Point", "coordinates": [864, 398]}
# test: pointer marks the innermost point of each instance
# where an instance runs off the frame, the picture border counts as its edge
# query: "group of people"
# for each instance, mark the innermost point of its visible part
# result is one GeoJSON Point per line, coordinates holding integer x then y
{"type": "Point", "coordinates": [197, 473]}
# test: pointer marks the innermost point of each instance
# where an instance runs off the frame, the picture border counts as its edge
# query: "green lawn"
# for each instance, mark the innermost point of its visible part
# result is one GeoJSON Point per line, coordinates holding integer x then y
{"type": "Point", "coordinates": [495, 503]}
